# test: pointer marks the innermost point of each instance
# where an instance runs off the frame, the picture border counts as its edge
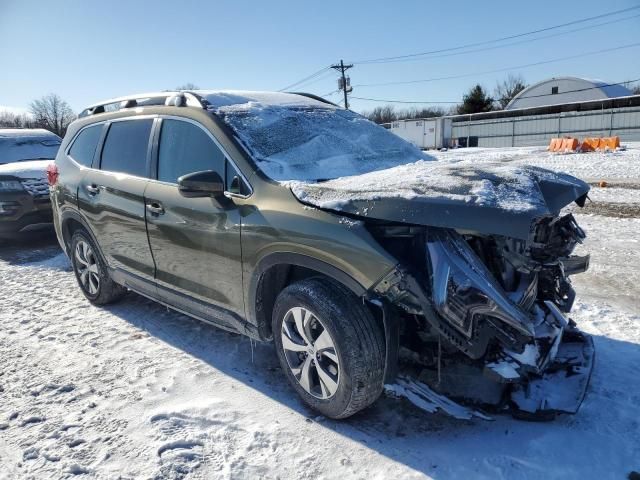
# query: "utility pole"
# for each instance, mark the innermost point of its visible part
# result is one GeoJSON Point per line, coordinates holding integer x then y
{"type": "Point", "coordinates": [344, 83]}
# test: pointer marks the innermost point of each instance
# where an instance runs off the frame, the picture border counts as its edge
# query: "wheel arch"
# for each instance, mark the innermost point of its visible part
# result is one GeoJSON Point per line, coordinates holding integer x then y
{"type": "Point", "coordinates": [70, 222]}
{"type": "Point", "coordinates": [277, 270]}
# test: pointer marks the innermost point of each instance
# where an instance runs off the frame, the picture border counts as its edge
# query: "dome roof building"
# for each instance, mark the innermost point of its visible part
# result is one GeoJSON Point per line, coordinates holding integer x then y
{"type": "Point", "coordinates": [565, 90]}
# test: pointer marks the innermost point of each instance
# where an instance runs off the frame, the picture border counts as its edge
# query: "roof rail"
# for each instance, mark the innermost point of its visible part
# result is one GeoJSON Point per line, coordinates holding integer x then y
{"type": "Point", "coordinates": [170, 98]}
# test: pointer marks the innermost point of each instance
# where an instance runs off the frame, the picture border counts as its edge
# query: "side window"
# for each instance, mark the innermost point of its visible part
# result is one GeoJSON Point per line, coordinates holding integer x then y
{"type": "Point", "coordinates": [84, 146]}
{"type": "Point", "coordinates": [186, 148]}
{"type": "Point", "coordinates": [234, 182]}
{"type": "Point", "coordinates": [125, 149]}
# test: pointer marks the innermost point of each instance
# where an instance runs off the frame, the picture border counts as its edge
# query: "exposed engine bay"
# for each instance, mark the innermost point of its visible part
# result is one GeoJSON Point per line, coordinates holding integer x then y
{"type": "Point", "coordinates": [481, 318]}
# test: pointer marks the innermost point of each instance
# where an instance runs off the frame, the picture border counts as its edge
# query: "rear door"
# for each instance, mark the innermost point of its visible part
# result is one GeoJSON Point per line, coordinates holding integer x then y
{"type": "Point", "coordinates": [112, 198]}
{"type": "Point", "coordinates": [195, 241]}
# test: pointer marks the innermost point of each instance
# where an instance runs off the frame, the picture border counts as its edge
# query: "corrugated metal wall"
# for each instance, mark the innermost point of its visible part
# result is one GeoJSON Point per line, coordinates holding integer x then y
{"type": "Point", "coordinates": [531, 130]}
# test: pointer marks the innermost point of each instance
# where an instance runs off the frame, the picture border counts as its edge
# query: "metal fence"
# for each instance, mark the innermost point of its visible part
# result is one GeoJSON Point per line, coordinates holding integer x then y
{"type": "Point", "coordinates": [530, 130]}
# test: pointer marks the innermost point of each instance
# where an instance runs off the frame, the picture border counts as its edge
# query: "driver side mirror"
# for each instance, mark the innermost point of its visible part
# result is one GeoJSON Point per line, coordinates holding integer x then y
{"type": "Point", "coordinates": [201, 184]}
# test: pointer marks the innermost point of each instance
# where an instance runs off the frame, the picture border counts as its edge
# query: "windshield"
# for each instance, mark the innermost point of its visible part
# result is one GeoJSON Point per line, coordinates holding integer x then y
{"type": "Point", "coordinates": [22, 148]}
{"type": "Point", "coordinates": [315, 143]}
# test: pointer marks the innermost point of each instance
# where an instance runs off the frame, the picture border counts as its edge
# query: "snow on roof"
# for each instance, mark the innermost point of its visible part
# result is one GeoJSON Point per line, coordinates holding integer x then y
{"type": "Point", "coordinates": [226, 98]}
{"type": "Point", "coordinates": [606, 89]}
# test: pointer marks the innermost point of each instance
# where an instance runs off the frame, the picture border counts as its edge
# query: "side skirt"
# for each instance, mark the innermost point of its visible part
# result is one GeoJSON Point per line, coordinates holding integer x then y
{"type": "Point", "coordinates": [211, 314]}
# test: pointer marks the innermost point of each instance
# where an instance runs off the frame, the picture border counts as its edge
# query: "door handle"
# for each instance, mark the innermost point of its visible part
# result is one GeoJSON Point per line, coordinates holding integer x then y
{"type": "Point", "coordinates": [93, 189]}
{"type": "Point", "coordinates": [155, 208]}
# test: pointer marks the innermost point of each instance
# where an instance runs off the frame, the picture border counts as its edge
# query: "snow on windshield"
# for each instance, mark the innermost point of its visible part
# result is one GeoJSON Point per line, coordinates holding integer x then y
{"type": "Point", "coordinates": [22, 145]}
{"type": "Point", "coordinates": [309, 140]}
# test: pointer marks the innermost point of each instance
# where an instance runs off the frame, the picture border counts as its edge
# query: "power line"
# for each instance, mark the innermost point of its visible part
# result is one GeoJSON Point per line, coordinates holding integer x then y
{"type": "Point", "coordinates": [528, 96]}
{"type": "Point", "coordinates": [403, 101]}
{"type": "Point", "coordinates": [487, 42]}
{"type": "Point", "coordinates": [466, 75]}
{"type": "Point", "coordinates": [305, 79]}
{"type": "Point", "coordinates": [331, 93]}
{"type": "Point", "coordinates": [495, 47]}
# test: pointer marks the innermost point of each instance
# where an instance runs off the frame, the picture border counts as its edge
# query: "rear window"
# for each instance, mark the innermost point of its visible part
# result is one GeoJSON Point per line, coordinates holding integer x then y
{"type": "Point", "coordinates": [125, 149]}
{"type": "Point", "coordinates": [84, 146]}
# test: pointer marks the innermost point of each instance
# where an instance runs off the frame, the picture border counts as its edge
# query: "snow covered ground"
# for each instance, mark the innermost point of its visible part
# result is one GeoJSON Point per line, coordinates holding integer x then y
{"type": "Point", "coordinates": [136, 391]}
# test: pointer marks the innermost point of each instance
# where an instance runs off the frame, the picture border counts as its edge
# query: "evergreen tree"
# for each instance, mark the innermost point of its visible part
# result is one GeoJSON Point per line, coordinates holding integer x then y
{"type": "Point", "coordinates": [476, 101]}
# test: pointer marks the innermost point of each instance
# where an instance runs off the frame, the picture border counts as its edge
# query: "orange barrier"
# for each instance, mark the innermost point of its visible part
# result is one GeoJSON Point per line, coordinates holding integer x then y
{"type": "Point", "coordinates": [590, 144]}
{"type": "Point", "coordinates": [604, 143]}
{"type": "Point", "coordinates": [569, 144]}
{"type": "Point", "coordinates": [553, 144]}
{"type": "Point", "coordinates": [610, 143]}
{"type": "Point", "coordinates": [563, 144]}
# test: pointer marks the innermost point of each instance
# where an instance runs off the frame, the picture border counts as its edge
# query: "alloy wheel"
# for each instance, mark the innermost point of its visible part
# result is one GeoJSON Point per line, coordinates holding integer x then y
{"type": "Point", "coordinates": [311, 353]}
{"type": "Point", "coordinates": [87, 266]}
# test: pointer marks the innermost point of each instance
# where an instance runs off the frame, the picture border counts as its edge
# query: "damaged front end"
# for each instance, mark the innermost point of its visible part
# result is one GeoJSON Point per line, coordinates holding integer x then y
{"type": "Point", "coordinates": [483, 316]}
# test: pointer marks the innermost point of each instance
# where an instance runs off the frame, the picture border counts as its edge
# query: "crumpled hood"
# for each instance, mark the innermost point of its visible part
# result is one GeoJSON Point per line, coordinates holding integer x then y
{"type": "Point", "coordinates": [489, 198]}
{"type": "Point", "coordinates": [31, 169]}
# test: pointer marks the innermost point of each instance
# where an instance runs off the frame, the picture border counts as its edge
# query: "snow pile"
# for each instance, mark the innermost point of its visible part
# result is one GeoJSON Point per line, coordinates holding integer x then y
{"type": "Point", "coordinates": [589, 166]}
{"type": "Point", "coordinates": [18, 145]}
{"type": "Point", "coordinates": [292, 137]}
{"type": "Point", "coordinates": [496, 185]}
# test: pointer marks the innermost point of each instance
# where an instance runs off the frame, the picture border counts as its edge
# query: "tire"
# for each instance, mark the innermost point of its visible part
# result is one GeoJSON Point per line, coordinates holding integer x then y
{"type": "Point", "coordinates": [91, 271]}
{"type": "Point", "coordinates": [345, 372]}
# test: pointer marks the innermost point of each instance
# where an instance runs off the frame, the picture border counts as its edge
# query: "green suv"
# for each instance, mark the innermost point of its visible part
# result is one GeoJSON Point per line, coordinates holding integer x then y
{"type": "Point", "coordinates": [285, 217]}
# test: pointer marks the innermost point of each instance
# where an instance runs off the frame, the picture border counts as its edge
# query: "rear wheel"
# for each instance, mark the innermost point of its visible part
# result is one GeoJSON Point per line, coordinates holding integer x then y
{"type": "Point", "coordinates": [330, 347]}
{"type": "Point", "coordinates": [91, 271]}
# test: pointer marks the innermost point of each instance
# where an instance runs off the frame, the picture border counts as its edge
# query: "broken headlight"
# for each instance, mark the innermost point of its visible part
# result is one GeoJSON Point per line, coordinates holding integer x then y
{"type": "Point", "coordinates": [464, 291]}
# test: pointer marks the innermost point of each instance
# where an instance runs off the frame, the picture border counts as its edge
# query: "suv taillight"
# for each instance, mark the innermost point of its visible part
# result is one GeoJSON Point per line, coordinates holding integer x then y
{"type": "Point", "coordinates": [52, 174]}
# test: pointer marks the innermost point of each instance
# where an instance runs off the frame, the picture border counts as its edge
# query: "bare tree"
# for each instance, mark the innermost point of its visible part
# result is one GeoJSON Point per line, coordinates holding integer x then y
{"type": "Point", "coordinates": [388, 113]}
{"type": "Point", "coordinates": [15, 120]}
{"type": "Point", "coordinates": [507, 89]}
{"type": "Point", "coordinates": [381, 115]}
{"type": "Point", "coordinates": [53, 113]}
{"type": "Point", "coordinates": [420, 112]}
{"type": "Point", "coordinates": [188, 86]}
{"type": "Point", "coordinates": [636, 89]}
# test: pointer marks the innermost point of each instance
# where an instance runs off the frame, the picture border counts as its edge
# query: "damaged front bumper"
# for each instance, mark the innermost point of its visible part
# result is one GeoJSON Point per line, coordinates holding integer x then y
{"type": "Point", "coordinates": [562, 386]}
{"type": "Point", "coordinates": [511, 350]}
{"type": "Point", "coordinates": [556, 383]}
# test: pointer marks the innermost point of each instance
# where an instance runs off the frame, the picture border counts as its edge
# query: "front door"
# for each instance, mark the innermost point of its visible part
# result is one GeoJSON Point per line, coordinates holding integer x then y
{"type": "Point", "coordinates": [195, 241]}
{"type": "Point", "coordinates": [112, 198]}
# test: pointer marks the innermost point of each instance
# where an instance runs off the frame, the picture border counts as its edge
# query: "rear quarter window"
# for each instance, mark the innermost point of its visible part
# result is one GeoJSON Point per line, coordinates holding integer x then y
{"type": "Point", "coordinates": [84, 146]}
{"type": "Point", "coordinates": [125, 148]}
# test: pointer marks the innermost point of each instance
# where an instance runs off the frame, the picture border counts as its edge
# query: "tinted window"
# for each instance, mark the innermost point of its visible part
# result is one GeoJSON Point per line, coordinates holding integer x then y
{"type": "Point", "coordinates": [186, 148]}
{"type": "Point", "coordinates": [125, 149]}
{"type": "Point", "coordinates": [85, 144]}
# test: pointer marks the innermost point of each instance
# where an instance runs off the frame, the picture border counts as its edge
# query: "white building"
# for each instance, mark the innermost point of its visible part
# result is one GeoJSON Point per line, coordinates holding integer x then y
{"type": "Point", "coordinates": [565, 90]}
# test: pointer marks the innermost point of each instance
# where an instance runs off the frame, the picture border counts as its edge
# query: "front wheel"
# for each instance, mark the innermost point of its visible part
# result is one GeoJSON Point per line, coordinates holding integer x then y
{"type": "Point", "coordinates": [91, 271]}
{"type": "Point", "coordinates": [330, 346]}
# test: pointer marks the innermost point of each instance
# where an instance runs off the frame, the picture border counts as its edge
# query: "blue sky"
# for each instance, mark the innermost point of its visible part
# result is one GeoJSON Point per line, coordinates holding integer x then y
{"type": "Point", "coordinates": [88, 51]}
